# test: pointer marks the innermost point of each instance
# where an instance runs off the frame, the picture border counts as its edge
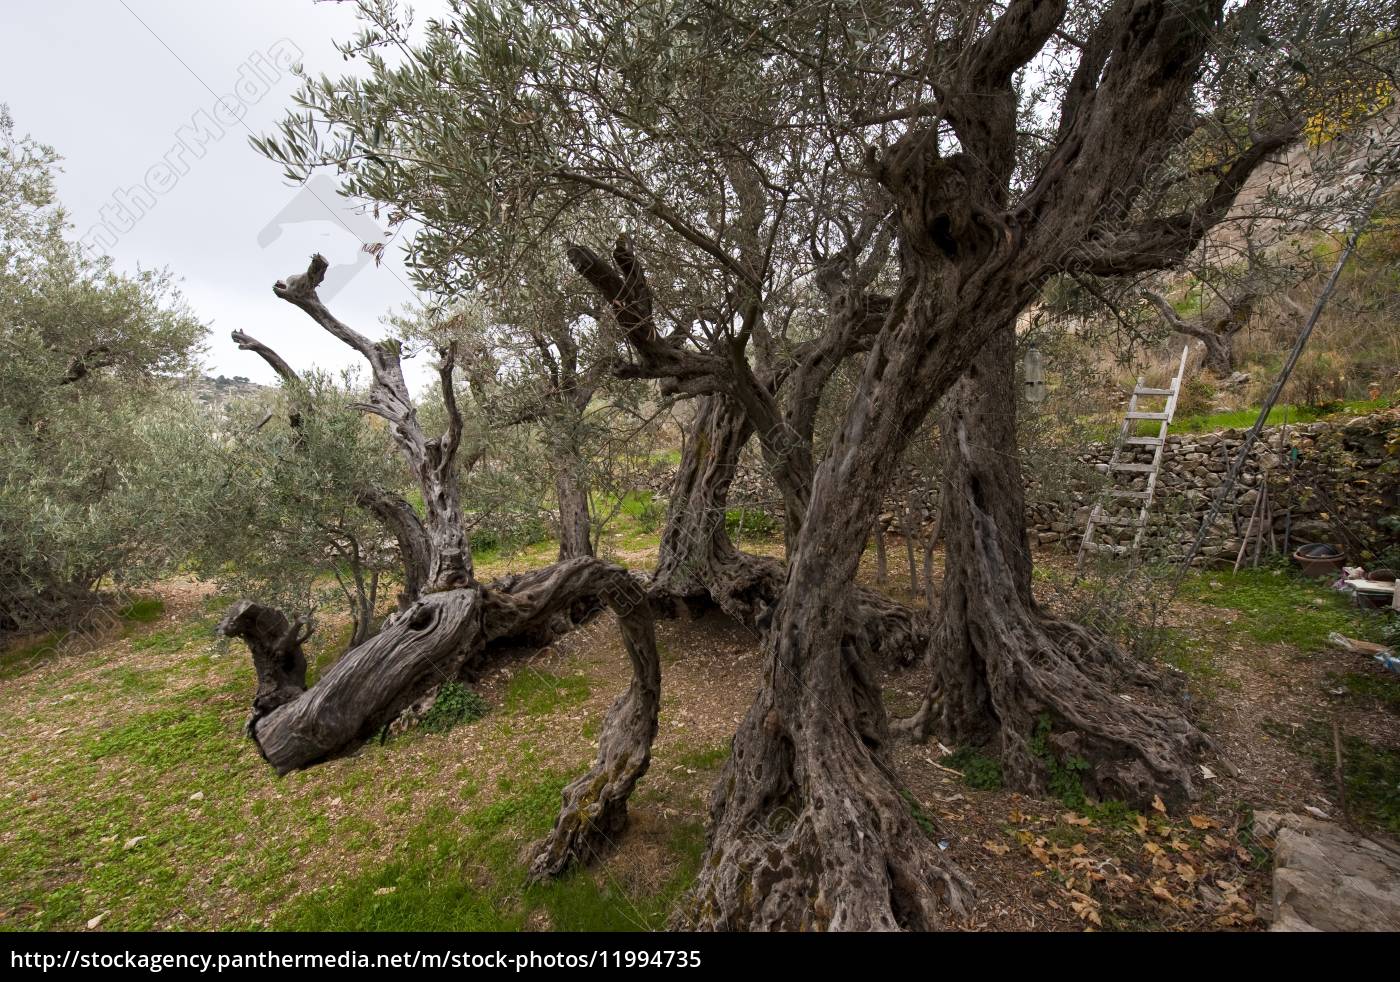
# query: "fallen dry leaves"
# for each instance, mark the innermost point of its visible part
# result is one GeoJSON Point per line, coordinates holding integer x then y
{"type": "Point", "coordinates": [1131, 870]}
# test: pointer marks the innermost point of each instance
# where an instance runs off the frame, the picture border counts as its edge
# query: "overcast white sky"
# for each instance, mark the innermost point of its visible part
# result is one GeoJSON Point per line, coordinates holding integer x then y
{"type": "Point", "coordinates": [88, 78]}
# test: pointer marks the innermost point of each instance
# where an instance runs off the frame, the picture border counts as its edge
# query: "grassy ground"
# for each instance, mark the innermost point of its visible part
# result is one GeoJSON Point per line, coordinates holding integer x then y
{"type": "Point", "coordinates": [133, 801]}
{"type": "Point", "coordinates": [133, 797]}
{"type": "Point", "coordinates": [1106, 428]}
{"type": "Point", "coordinates": [1291, 414]}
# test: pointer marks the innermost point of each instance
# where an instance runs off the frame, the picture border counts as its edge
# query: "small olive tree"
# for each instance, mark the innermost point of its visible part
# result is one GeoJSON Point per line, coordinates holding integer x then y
{"type": "Point", "coordinates": [91, 361]}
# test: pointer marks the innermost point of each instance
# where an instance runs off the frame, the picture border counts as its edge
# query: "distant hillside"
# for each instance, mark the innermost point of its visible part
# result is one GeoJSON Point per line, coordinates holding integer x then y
{"type": "Point", "coordinates": [220, 390]}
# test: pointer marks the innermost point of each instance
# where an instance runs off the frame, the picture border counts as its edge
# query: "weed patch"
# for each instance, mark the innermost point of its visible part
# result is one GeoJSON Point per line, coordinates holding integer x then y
{"type": "Point", "coordinates": [1279, 607]}
{"type": "Point", "coordinates": [455, 704]}
{"type": "Point", "coordinates": [979, 770]}
{"type": "Point", "coordinates": [1371, 772]}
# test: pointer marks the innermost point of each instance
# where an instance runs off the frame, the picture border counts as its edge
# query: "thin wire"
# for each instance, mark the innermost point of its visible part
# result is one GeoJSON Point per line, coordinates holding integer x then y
{"type": "Point", "coordinates": [1227, 486]}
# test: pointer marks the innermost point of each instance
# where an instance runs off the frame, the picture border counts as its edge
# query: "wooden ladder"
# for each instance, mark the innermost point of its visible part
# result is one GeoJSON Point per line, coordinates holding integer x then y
{"type": "Point", "coordinates": [1117, 466]}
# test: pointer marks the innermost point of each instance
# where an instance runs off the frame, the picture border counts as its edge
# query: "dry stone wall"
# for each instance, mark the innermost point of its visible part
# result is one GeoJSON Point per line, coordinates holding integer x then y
{"type": "Point", "coordinates": [1331, 481]}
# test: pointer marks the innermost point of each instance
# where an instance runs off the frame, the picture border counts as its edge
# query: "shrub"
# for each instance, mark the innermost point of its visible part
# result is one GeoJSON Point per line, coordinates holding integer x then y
{"type": "Point", "coordinates": [455, 704]}
{"type": "Point", "coordinates": [1197, 397]}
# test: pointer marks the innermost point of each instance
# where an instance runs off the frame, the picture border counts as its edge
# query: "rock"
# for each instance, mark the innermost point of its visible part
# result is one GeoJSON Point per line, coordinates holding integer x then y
{"type": "Point", "coordinates": [1329, 879]}
{"type": "Point", "coordinates": [94, 923]}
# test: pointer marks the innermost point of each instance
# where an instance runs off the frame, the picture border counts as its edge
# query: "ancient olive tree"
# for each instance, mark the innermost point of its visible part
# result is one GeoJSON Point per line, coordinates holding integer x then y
{"type": "Point", "coordinates": [919, 110]}
{"type": "Point", "coordinates": [444, 632]}
{"type": "Point", "coordinates": [1003, 669]}
{"type": "Point", "coordinates": [744, 279]}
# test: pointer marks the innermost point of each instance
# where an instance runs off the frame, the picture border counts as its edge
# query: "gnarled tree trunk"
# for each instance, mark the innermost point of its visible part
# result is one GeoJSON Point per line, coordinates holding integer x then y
{"type": "Point", "coordinates": [367, 688]}
{"type": "Point", "coordinates": [810, 828]}
{"type": "Point", "coordinates": [700, 564]}
{"type": "Point", "coordinates": [414, 551]}
{"type": "Point", "coordinates": [595, 804]}
{"type": "Point", "coordinates": [1044, 691]}
{"type": "Point", "coordinates": [697, 561]}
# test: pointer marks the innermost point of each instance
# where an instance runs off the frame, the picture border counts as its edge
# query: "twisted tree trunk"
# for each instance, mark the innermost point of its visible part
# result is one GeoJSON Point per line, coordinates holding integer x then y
{"type": "Point", "coordinates": [700, 565]}
{"type": "Point", "coordinates": [810, 828]}
{"type": "Point", "coordinates": [595, 805]}
{"type": "Point", "coordinates": [414, 550]}
{"type": "Point", "coordinates": [1217, 336]}
{"type": "Point", "coordinates": [366, 689]}
{"type": "Point", "coordinates": [1045, 692]}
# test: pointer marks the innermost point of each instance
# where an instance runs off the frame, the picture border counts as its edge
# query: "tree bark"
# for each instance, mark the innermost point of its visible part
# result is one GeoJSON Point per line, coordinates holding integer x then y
{"type": "Point", "coordinates": [414, 550]}
{"type": "Point", "coordinates": [1045, 692]}
{"type": "Point", "coordinates": [371, 684]}
{"type": "Point", "coordinates": [594, 812]}
{"type": "Point", "coordinates": [1218, 338]}
{"type": "Point", "coordinates": [697, 560]}
{"type": "Point", "coordinates": [700, 565]}
{"type": "Point", "coordinates": [809, 826]}
{"type": "Point", "coordinates": [275, 643]}
{"type": "Point", "coordinates": [571, 493]}
{"type": "Point", "coordinates": [433, 460]}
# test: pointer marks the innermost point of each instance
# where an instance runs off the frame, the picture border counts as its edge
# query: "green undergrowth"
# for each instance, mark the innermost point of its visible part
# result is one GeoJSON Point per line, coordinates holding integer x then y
{"type": "Point", "coordinates": [1185, 651]}
{"type": "Point", "coordinates": [176, 638]}
{"type": "Point", "coordinates": [704, 759]}
{"type": "Point", "coordinates": [532, 692]}
{"type": "Point", "coordinates": [146, 807]}
{"type": "Point", "coordinates": [1277, 606]}
{"type": "Point", "coordinates": [752, 523]}
{"type": "Point", "coordinates": [21, 657]}
{"type": "Point", "coordinates": [455, 704]}
{"type": "Point", "coordinates": [920, 814]}
{"type": "Point", "coordinates": [979, 770]}
{"type": "Point", "coordinates": [1378, 688]}
{"type": "Point", "coordinates": [144, 611]}
{"type": "Point", "coordinates": [1239, 419]}
{"type": "Point", "coordinates": [1064, 774]}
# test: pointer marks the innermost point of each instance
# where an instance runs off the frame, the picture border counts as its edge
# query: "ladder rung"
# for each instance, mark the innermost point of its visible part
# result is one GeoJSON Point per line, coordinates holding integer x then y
{"type": "Point", "coordinates": [1161, 416]}
{"type": "Point", "coordinates": [1144, 441]}
{"type": "Point", "coordinates": [1114, 492]}
{"type": "Point", "coordinates": [1153, 392]}
{"type": "Point", "coordinates": [1105, 547]}
{"type": "Point", "coordinates": [1136, 468]}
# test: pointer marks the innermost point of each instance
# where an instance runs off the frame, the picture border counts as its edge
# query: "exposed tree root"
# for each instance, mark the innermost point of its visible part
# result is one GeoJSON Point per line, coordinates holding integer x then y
{"type": "Point", "coordinates": [809, 832]}
{"type": "Point", "coordinates": [1046, 692]}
